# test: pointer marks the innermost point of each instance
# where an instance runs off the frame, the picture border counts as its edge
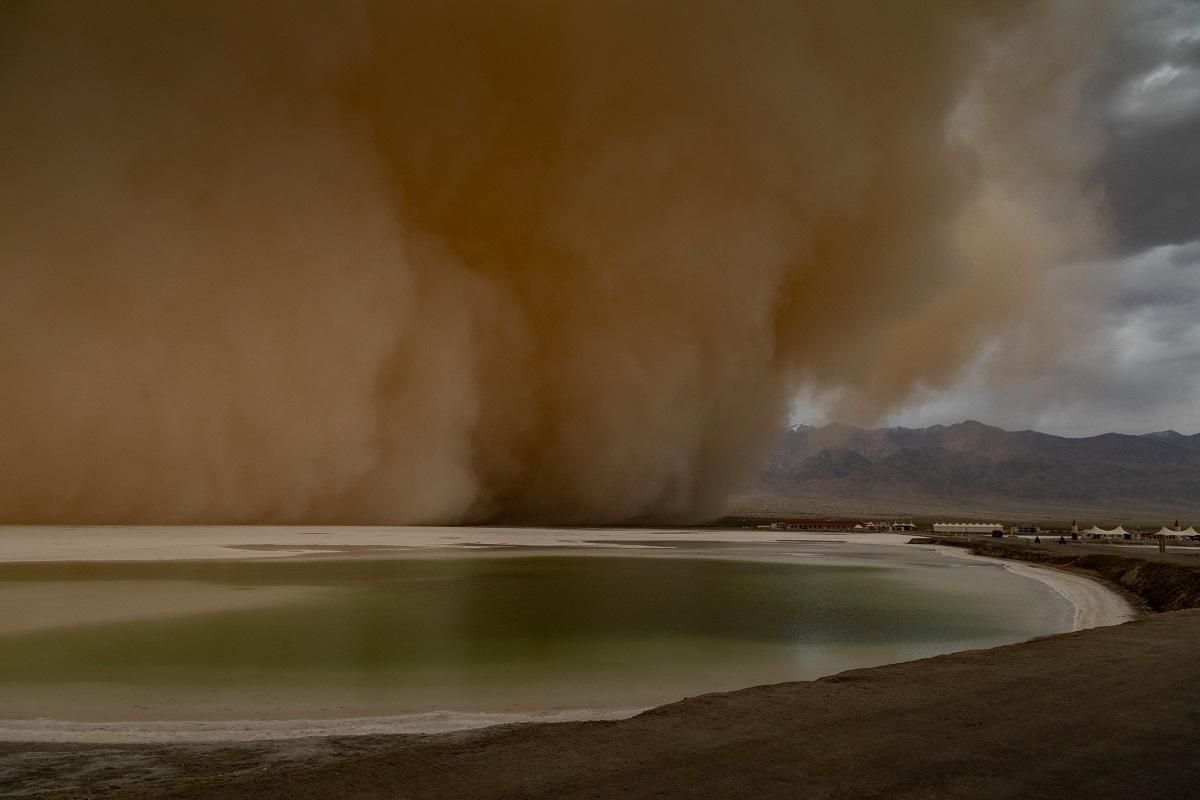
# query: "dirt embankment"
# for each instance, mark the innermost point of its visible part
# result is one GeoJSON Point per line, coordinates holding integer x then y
{"type": "Point", "coordinates": [1163, 584]}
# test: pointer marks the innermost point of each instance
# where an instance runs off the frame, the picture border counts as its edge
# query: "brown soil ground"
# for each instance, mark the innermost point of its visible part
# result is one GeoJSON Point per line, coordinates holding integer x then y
{"type": "Point", "coordinates": [1104, 713]}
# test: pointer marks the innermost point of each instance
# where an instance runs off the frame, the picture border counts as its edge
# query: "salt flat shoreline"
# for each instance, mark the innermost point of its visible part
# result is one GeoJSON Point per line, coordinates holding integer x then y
{"type": "Point", "coordinates": [185, 542]}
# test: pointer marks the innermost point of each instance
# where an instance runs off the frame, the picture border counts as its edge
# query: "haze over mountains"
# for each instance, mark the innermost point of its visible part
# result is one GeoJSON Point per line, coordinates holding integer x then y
{"type": "Point", "coordinates": [973, 469]}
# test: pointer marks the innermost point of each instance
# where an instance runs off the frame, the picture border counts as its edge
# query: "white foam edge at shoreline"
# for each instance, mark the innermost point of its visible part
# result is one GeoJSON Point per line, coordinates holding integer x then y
{"type": "Point", "coordinates": [47, 731]}
{"type": "Point", "coordinates": [1096, 606]}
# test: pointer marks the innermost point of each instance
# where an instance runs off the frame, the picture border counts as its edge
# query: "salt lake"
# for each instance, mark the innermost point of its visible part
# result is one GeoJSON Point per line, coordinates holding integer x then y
{"type": "Point", "coordinates": [417, 624]}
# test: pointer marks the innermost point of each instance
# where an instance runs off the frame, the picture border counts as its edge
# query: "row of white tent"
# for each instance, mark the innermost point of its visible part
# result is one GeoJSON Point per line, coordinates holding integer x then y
{"type": "Point", "coordinates": [1119, 532]}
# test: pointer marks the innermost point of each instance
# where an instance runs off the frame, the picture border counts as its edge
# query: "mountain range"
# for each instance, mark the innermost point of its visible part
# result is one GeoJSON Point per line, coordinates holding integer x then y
{"type": "Point", "coordinates": [973, 469]}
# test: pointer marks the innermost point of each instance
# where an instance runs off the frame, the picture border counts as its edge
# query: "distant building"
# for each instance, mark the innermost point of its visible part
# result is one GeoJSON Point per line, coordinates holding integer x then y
{"type": "Point", "coordinates": [886, 526]}
{"type": "Point", "coordinates": [968, 527]}
{"type": "Point", "coordinates": [1030, 529]}
{"type": "Point", "coordinates": [819, 525]}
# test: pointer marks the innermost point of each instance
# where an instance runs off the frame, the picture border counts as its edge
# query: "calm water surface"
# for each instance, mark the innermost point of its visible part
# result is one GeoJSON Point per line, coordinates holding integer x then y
{"type": "Point", "coordinates": [395, 635]}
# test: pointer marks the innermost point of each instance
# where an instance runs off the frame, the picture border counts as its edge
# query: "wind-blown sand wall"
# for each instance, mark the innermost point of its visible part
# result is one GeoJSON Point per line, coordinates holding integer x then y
{"type": "Point", "coordinates": [447, 261]}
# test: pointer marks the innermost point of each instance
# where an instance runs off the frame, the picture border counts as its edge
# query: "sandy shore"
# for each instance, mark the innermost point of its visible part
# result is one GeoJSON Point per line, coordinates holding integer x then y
{"type": "Point", "coordinates": [1095, 605]}
{"type": "Point", "coordinates": [1102, 713]}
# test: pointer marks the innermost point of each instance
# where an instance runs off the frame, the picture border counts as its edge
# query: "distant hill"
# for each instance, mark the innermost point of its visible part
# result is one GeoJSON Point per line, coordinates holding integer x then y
{"type": "Point", "coordinates": [975, 469]}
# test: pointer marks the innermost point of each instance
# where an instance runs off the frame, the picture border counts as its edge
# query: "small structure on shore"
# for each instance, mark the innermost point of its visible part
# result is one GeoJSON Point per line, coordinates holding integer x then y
{"type": "Point", "coordinates": [968, 527]}
{"type": "Point", "coordinates": [871, 525]}
{"type": "Point", "coordinates": [818, 525]}
{"type": "Point", "coordinates": [1118, 532]}
{"type": "Point", "coordinates": [1174, 533]}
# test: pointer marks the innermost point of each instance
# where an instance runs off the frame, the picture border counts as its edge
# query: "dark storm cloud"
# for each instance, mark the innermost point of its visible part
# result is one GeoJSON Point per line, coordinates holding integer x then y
{"type": "Point", "coordinates": [1161, 277]}
{"type": "Point", "coordinates": [1142, 369]}
{"type": "Point", "coordinates": [1186, 256]}
{"type": "Point", "coordinates": [1152, 184]}
{"type": "Point", "coordinates": [1148, 95]}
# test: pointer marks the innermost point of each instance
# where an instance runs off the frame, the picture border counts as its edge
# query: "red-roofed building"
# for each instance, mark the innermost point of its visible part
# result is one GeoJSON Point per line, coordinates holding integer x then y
{"type": "Point", "coordinates": [819, 525]}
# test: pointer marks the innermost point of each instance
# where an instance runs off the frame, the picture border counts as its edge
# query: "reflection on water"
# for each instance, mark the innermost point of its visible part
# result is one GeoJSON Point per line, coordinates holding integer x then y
{"type": "Point", "coordinates": [518, 631]}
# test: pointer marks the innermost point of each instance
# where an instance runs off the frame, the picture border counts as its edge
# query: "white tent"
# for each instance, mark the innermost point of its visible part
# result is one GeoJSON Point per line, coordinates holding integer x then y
{"type": "Point", "coordinates": [1171, 533]}
{"type": "Point", "coordinates": [1118, 532]}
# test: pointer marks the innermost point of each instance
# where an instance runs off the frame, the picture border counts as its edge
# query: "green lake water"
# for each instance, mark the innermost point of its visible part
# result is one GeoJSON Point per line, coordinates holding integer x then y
{"type": "Point", "coordinates": [382, 636]}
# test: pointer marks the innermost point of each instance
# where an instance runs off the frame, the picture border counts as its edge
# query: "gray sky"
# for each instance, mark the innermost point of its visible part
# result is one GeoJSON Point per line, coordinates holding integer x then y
{"type": "Point", "coordinates": [1138, 368]}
